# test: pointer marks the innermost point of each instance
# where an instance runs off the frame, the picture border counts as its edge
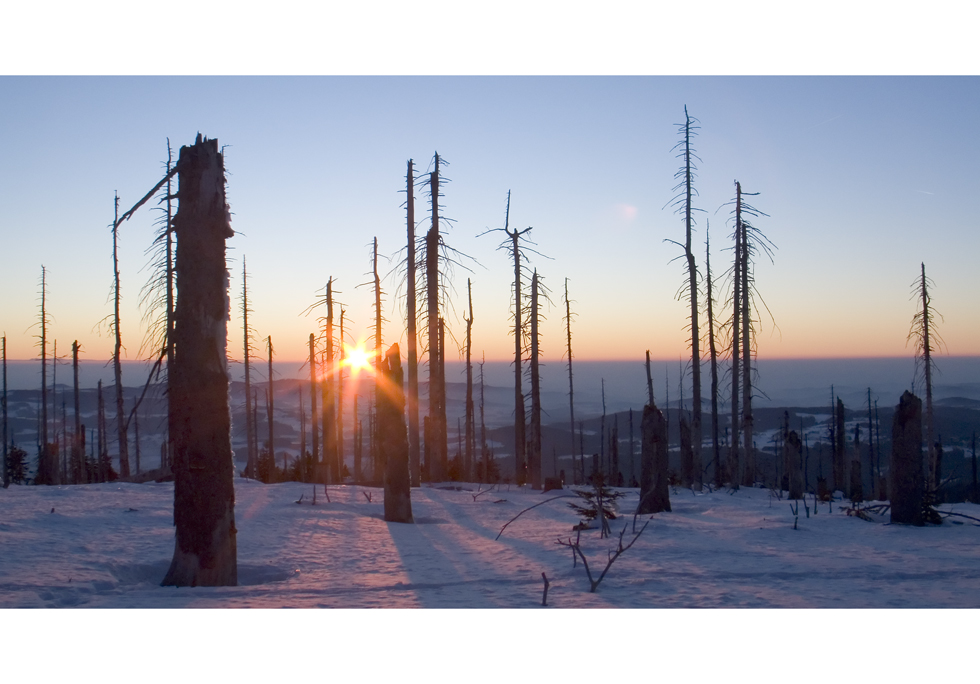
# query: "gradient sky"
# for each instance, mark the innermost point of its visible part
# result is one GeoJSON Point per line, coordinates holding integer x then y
{"type": "Point", "coordinates": [862, 177]}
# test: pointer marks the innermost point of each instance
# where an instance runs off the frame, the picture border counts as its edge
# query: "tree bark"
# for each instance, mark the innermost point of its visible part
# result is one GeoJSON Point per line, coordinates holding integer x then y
{"type": "Point", "coordinates": [469, 451]}
{"type": "Point", "coordinates": [905, 487]}
{"type": "Point", "coordinates": [116, 356]}
{"type": "Point", "coordinates": [654, 492]}
{"type": "Point", "coordinates": [437, 382]}
{"type": "Point", "coordinates": [414, 448]}
{"type": "Point", "coordinates": [393, 440]}
{"type": "Point", "coordinates": [793, 465]}
{"type": "Point", "coordinates": [534, 457]}
{"type": "Point", "coordinates": [204, 495]}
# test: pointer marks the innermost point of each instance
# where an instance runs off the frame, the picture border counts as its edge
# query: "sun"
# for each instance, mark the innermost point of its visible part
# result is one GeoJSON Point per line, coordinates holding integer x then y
{"type": "Point", "coordinates": [357, 358]}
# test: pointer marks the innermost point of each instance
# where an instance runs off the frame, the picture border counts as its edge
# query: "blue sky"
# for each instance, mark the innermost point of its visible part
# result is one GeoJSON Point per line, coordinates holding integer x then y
{"type": "Point", "coordinates": [854, 173]}
{"type": "Point", "coordinates": [863, 178]}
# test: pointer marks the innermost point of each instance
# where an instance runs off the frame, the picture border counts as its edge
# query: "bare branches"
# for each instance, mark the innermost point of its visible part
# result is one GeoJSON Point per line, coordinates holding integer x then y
{"type": "Point", "coordinates": [576, 548]}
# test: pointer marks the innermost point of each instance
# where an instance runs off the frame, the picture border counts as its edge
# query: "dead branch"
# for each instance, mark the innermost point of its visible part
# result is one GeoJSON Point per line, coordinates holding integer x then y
{"type": "Point", "coordinates": [540, 503]}
{"type": "Point", "coordinates": [612, 555]}
{"type": "Point", "coordinates": [544, 599]}
{"type": "Point", "coordinates": [146, 198]}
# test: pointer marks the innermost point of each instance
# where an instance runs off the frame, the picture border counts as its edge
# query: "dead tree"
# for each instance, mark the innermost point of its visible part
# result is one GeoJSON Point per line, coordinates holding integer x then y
{"type": "Point", "coordinates": [313, 392]}
{"type": "Point", "coordinates": [340, 392]}
{"type": "Point", "coordinates": [116, 355]}
{"type": "Point", "coordinates": [484, 447]}
{"type": "Point", "coordinates": [270, 406]}
{"type": "Point", "coordinates": [414, 448]}
{"type": "Point", "coordinates": [47, 471]}
{"type": "Point", "coordinates": [204, 494]}
{"type": "Point", "coordinates": [358, 477]}
{"type": "Point", "coordinates": [840, 441]}
{"type": "Point", "coordinates": [393, 439]}
{"type": "Point", "coordinates": [923, 333]}
{"type": "Point", "coordinates": [654, 479]}
{"type": "Point", "coordinates": [571, 386]}
{"type": "Point", "coordinates": [469, 451]}
{"type": "Point", "coordinates": [872, 452]}
{"type": "Point", "coordinates": [793, 465]}
{"type": "Point", "coordinates": [518, 252]}
{"type": "Point", "coordinates": [905, 488]}
{"type": "Point", "coordinates": [749, 242]}
{"type": "Point", "coordinates": [683, 201]}
{"type": "Point", "coordinates": [534, 455]}
{"type": "Point", "coordinates": [331, 468]}
{"type": "Point", "coordinates": [251, 436]}
{"type": "Point", "coordinates": [104, 466]}
{"type": "Point", "coordinates": [436, 451]}
{"type": "Point", "coordinates": [713, 352]}
{"type": "Point", "coordinates": [3, 406]}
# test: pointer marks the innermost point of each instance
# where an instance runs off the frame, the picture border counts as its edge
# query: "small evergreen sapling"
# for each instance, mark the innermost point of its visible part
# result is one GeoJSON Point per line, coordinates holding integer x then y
{"type": "Point", "coordinates": [600, 503]}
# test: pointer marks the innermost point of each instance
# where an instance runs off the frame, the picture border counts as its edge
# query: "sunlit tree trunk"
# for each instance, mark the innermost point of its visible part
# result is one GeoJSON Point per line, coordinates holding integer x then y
{"type": "Point", "coordinates": [204, 495]}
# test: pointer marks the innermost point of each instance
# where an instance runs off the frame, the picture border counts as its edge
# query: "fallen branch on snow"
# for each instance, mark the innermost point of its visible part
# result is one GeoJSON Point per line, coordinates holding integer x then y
{"type": "Point", "coordinates": [612, 555]}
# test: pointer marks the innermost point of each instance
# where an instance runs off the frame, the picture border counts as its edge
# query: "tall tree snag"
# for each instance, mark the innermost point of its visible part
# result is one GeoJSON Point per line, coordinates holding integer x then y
{"type": "Point", "coordinates": [414, 448]}
{"type": "Point", "coordinates": [393, 440]}
{"type": "Point", "coordinates": [654, 479]}
{"type": "Point", "coordinates": [205, 551]}
{"type": "Point", "coordinates": [571, 386]}
{"type": "Point", "coordinates": [468, 452]}
{"type": "Point", "coordinates": [116, 355]}
{"type": "Point", "coordinates": [534, 455]}
{"type": "Point", "coordinates": [684, 203]}
{"type": "Point", "coordinates": [905, 486]}
{"type": "Point", "coordinates": [251, 467]}
{"type": "Point", "coordinates": [713, 352]}
{"type": "Point", "coordinates": [927, 340]}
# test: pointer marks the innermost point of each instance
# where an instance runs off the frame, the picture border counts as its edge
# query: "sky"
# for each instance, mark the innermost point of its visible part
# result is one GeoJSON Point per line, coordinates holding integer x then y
{"type": "Point", "coordinates": [862, 177]}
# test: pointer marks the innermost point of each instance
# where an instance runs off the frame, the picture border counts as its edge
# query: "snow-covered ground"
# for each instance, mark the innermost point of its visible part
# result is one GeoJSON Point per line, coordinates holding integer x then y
{"type": "Point", "coordinates": [109, 545]}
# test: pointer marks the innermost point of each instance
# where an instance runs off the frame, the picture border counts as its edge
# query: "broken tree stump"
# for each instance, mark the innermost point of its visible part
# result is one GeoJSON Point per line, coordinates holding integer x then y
{"type": "Point", "coordinates": [793, 465]}
{"type": "Point", "coordinates": [393, 439]}
{"type": "Point", "coordinates": [654, 480]}
{"type": "Point", "coordinates": [205, 552]}
{"type": "Point", "coordinates": [906, 477]}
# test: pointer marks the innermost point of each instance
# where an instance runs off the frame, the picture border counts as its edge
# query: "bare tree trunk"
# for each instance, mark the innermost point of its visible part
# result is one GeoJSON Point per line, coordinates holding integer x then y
{"type": "Point", "coordinates": [747, 419]}
{"type": "Point", "coordinates": [251, 469]}
{"type": "Point", "coordinates": [654, 492]}
{"type": "Point", "coordinates": [378, 390]}
{"type": "Point", "coordinates": [520, 465]}
{"type": "Point", "coordinates": [793, 465]}
{"type": "Point", "coordinates": [358, 475]}
{"type": "Point", "coordinates": [116, 356]}
{"type": "Point", "coordinates": [715, 445]}
{"type": "Point", "coordinates": [414, 448]}
{"type": "Point", "coordinates": [905, 488]}
{"type": "Point", "coordinates": [340, 395]}
{"type": "Point", "coordinates": [313, 424]}
{"type": "Point", "coordinates": [470, 417]}
{"type": "Point", "coordinates": [733, 461]}
{"type": "Point", "coordinates": [437, 382]}
{"type": "Point", "coordinates": [302, 436]}
{"type": "Point", "coordinates": [649, 382]}
{"type": "Point", "coordinates": [692, 273]}
{"type": "Point", "coordinates": [484, 447]}
{"type": "Point", "coordinates": [932, 479]}
{"type": "Point", "coordinates": [170, 308]}
{"type": "Point", "coordinates": [104, 467]}
{"type": "Point", "coordinates": [393, 440]}
{"type": "Point", "coordinates": [571, 386]}
{"type": "Point", "coordinates": [204, 494]}
{"type": "Point", "coordinates": [45, 475]}
{"type": "Point", "coordinates": [78, 437]}
{"type": "Point", "coordinates": [535, 443]}
{"type": "Point", "coordinates": [331, 466]}
{"type": "Point", "coordinates": [6, 475]}
{"type": "Point", "coordinates": [270, 407]}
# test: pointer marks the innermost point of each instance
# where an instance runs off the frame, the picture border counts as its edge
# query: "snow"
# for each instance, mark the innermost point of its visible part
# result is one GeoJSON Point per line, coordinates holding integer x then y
{"type": "Point", "coordinates": [109, 546]}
